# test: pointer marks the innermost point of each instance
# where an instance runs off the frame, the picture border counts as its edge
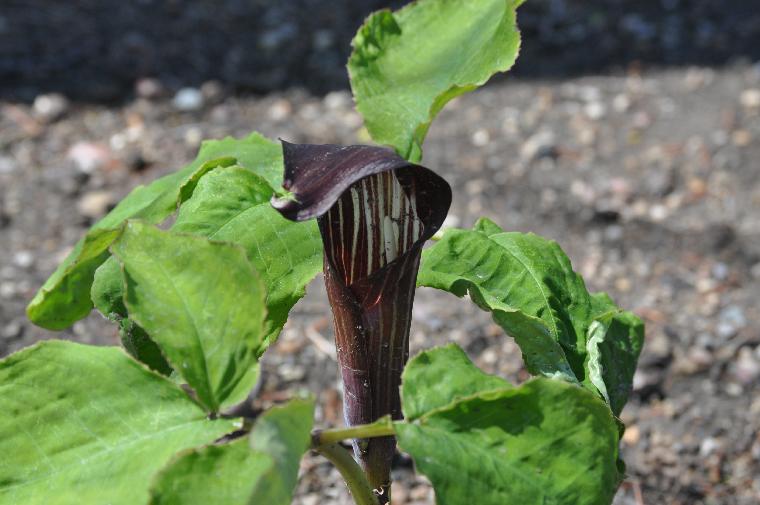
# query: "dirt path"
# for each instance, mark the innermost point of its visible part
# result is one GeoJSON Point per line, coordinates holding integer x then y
{"type": "Point", "coordinates": [650, 183]}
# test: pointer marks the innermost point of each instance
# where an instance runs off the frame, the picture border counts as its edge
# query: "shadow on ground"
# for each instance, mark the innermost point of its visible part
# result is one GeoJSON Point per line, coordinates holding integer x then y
{"type": "Point", "coordinates": [96, 50]}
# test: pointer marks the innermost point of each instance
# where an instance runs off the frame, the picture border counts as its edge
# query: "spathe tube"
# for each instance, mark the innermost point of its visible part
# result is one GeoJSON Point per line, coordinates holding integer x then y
{"type": "Point", "coordinates": [375, 210]}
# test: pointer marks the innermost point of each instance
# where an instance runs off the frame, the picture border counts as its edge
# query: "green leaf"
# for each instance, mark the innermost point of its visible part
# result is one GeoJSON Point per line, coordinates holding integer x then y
{"type": "Point", "coordinates": [545, 441]}
{"type": "Point", "coordinates": [107, 292]}
{"type": "Point", "coordinates": [262, 469]}
{"type": "Point", "coordinates": [424, 391]}
{"type": "Point", "coordinates": [218, 474]}
{"type": "Point", "coordinates": [254, 152]}
{"type": "Point", "coordinates": [85, 424]}
{"type": "Point", "coordinates": [64, 298]}
{"type": "Point", "coordinates": [529, 286]}
{"type": "Point", "coordinates": [201, 301]}
{"type": "Point", "coordinates": [284, 433]}
{"type": "Point", "coordinates": [407, 65]}
{"type": "Point", "coordinates": [487, 227]}
{"type": "Point", "coordinates": [232, 205]}
{"type": "Point", "coordinates": [503, 281]}
{"type": "Point", "coordinates": [139, 345]}
{"type": "Point", "coordinates": [615, 339]}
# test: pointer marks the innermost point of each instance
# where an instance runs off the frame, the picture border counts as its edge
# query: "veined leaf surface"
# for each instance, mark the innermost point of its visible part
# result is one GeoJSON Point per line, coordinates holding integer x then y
{"type": "Point", "coordinates": [259, 469]}
{"type": "Point", "coordinates": [529, 286]}
{"type": "Point", "coordinates": [406, 65]}
{"type": "Point", "coordinates": [84, 424]}
{"type": "Point", "coordinates": [65, 296]}
{"type": "Point", "coordinates": [201, 301]}
{"type": "Point", "coordinates": [546, 441]}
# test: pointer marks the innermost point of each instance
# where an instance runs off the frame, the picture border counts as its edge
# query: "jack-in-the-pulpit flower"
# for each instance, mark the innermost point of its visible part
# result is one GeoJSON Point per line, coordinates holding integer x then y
{"type": "Point", "coordinates": [375, 211]}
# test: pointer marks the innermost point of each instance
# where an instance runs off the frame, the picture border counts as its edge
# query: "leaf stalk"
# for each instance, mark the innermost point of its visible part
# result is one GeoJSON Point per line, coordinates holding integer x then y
{"type": "Point", "coordinates": [357, 482]}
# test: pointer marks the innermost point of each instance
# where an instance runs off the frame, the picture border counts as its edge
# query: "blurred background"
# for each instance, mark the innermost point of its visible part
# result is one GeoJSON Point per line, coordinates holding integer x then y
{"type": "Point", "coordinates": [629, 131]}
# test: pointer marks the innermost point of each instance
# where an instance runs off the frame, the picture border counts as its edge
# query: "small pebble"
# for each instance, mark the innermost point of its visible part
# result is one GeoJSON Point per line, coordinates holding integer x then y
{"type": "Point", "coordinates": [7, 165]}
{"type": "Point", "coordinates": [95, 204]}
{"type": "Point", "coordinates": [11, 330]}
{"type": "Point", "coordinates": [337, 100]}
{"type": "Point", "coordinates": [188, 99]}
{"type": "Point", "coordinates": [279, 110]}
{"type": "Point", "coordinates": [540, 144]}
{"type": "Point", "coordinates": [212, 92]}
{"type": "Point", "coordinates": [481, 137]}
{"type": "Point", "coordinates": [149, 88]}
{"type": "Point", "coordinates": [719, 271]}
{"type": "Point", "coordinates": [708, 446]}
{"type": "Point", "coordinates": [23, 259]}
{"type": "Point", "coordinates": [595, 110]}
{"type": "Point", "coordinates": [50, 107]}
{"type": "Point", "coordinates": [741, 138]}
{"type": "Point", "coordinates": [88, 156]}
{"type": "Point", "coordinates": [7, 289]}
{"type": "Point", "coordinates": [747, 366]}
{"type": "Point", "coordinates": [750, 98]}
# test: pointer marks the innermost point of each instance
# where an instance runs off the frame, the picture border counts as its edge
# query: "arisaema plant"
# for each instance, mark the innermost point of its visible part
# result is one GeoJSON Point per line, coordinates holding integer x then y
{"type": "Point", "coordinates": [253, 222]}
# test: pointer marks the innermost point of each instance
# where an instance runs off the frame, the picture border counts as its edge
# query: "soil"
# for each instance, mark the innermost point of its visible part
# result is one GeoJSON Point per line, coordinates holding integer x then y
{"type": "Point", "coordinates": [649, 181]}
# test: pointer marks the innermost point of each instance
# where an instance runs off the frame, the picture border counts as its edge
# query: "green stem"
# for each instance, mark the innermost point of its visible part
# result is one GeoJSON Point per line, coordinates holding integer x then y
{"type": "Point", "coordinates": [357, 482]}
{"type": "Point", "coordinates": [383, 427]}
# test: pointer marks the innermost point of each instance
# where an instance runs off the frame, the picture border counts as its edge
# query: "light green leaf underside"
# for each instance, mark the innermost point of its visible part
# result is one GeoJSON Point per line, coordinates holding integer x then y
{"type": "Point", "coordinates": [259, 469]}
{"type": "Point", "coordinates": [65, 296]}
{"type": "Point", "coordinates": [544, 442]}
{"type": "Point", "coordinates": [614, 343]}
{"type": "Point", "coordinates": [201, 301]}
{"type": "Point", "coordinates": [407, 65]}
{"type": "Point", "coordinates": [437, 377]}
{"type": "Point", "coordinates": [530, 288]}
{"type": "Point", "coordinates": [83, 424]}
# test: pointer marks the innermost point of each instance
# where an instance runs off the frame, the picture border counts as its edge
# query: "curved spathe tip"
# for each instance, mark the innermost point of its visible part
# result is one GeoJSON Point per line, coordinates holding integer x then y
{"type": "Point", "coordinates": [316, 175]}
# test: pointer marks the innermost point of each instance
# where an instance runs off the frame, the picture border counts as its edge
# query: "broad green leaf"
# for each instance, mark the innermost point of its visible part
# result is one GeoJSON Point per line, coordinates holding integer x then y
{"type": "Point", "coordinates": [529, 286]}
{"type": "Point", "coordinates": [201, 301]}
{"type": "Point", "coordinates": [544, 442]}
{"type": "Point", "coordinates": [408, 64]}
{"type": "Point", "coordinates": [511, 289]}
{"type": "Point", "coordinates": [64, 298]}
{"type": "Point", "coordinates": [259, 469]}
{"type": "Point", "coordinates": [232, 205]}
{"type": "Point", "coordinates": [84, 424]}
{"type": "Point", "coordinates": [424, 390]}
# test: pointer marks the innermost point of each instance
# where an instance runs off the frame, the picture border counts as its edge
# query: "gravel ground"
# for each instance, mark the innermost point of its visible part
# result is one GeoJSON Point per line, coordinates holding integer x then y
{"type": "Point", "coordinates": [648, 181]}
